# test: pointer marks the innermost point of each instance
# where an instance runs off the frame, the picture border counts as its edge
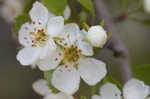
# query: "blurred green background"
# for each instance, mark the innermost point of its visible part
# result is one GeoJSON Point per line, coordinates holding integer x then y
{"type": "Point", "coordinates": [16, 80]}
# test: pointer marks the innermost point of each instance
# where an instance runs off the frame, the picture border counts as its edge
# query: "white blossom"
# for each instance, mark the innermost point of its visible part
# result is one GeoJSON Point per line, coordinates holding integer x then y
{"type": "Point", "coordinates": [147, 5]}
{"type": "Point", "coordinates": [133, 89]}
{"type": "Point", "coordinates": [97, 36]}
{"type": "Point", "coordinates": [66, 77]}
{"type": "Point", "coordinates": [67, 12]}
{"type": "Point", "coordinates": [36, 37]}
{"type": "Point", "coordinates": [10, 9]}
{"type": "Point", "coordinates": [42, 88]}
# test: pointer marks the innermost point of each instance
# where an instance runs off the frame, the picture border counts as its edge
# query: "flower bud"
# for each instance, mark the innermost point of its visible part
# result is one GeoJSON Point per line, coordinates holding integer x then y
{"type": "Point", "coordinates": [97, 36]}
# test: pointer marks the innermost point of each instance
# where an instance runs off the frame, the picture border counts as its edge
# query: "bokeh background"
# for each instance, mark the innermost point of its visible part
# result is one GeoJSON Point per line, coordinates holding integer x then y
{"type": "Point", "coordinates": [16, 80]}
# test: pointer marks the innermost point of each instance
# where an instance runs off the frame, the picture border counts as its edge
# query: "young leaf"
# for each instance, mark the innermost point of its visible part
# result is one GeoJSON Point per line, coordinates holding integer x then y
{"type": "Point", "coordinates": [20, 20]}
{"type": "Point", "coordinates": [88, 4]}
{"type": "Point", "coordinates": [142, 73]}
{"type": "Point", "coordinates": [55, 6]}
{"type": "Point", "coordinates": [83, 97]}
{"type": "Point", "coordinates": [48, 76]}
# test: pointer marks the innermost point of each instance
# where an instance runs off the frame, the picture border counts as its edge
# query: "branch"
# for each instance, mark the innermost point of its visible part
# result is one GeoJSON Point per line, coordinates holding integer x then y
{"type": "Point", "coordinates": [115, 44]}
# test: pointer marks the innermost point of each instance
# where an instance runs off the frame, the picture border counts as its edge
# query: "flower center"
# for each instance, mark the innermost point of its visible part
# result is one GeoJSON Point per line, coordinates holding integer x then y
{"type": "Point", "coordinates": [40, 38]}
{"type": "Point", "coordinates": [72, 55]}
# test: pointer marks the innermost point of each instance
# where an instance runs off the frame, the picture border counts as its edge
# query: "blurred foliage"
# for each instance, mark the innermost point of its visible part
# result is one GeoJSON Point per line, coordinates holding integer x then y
{"type": "Point", "coordinates": [88, 4]}
{"type": "Point", "coordinates": [55, 6]}
{"type": "Point", "coordinates": [143, 73]}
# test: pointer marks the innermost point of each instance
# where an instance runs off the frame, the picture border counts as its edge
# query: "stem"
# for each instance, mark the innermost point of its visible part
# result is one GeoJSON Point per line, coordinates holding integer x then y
{"type": "Point", "coordinates": [115, 44]}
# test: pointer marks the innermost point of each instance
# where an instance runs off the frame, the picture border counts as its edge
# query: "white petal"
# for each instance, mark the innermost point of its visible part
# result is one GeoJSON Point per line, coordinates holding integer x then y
{"type": "Point", "coordinates": [28, 55]}
{"type": "Point", "coordinates": [110, 91]}
{"type": "Point", "coordinates": [67, 12]}
{"type": "Point", "coordinates": [24, 34]}
{"type": "Point", "coordinates": [146, 5]}
{"type": "Point", "coordinates": [39, 13]}
{"type": "Point", "coordinates": [51, 61]}
{"type": "Point", "coordinates": [86, 49]}
{"type": "Point", "coordinates": [55, 26]}
{"type": "Point", "coordinates": [135, 89]}
{"type": "Point", "coordinates": [97, 36]}
{"type": "Point", "coordinates": [66, 79]}
{"type": "Point", "coordinates": [71, 34]}
{"type": "Point", "coordinates": [41, 87]}
{"type": "Point", "coordinates": [96, 97]}
{"type": "Point", "coordinates": [91, 70]}
{"type": "Point", "coordinates": [48, 49]}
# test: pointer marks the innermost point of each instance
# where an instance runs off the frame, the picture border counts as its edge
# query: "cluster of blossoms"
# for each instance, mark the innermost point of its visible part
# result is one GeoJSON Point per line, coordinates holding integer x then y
{"type": "Point", "coordinates": [50, 44]}
{"type": "Point", "coordinates": [67, 50]}
{"type": "Point", "coordinates": [133, 89]}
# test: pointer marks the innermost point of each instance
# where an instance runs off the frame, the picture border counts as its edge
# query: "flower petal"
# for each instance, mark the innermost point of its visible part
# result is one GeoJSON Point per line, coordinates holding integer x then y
{"type": "Point", "coordinates": [91, 70]}
{"type": "Point", "coordinates": [28, 55]}
{"type": "Point", "coordinates": [96, 97]}
{"type": "Point", "coordinates": [85, 48]}
{"type": "Point", "coordinates": [71, 34]}
{"type": "Point", "coordinates": [146, 5]}
{"type": "Point", "coordinates": [24, 34]}
{"type": "Point", "coordinates": [135, 89]}
{"type": "Point", "coordinates": [55, 26]}
{"type": "Point", "coordinates": [51, 61]}
{"type": "Point", "coordinates": [41, 87]}
{"type": "Point", "coordinates": [48, 49]}
{"type": "Point", "coordinates": [110, 91]}
{"type": "Point", "coordinates": [59, 96]}
{"type": "Point", "coordinates": [66, 79]}
{"type": "Point", "coordinates": [67, 12]}
{"type": "Point", "coordinates": [39, 13]}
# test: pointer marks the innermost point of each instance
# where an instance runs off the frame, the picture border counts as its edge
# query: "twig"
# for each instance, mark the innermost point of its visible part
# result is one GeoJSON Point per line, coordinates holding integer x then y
{"type": "Point", "coordinates": [115, 44]}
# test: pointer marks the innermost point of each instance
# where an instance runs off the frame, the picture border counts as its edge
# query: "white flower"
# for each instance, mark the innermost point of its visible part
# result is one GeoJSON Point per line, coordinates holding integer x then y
{"type": "Point", "coordinates": [147, 5]}
{"type": "Point", "coordinates": [133, 89]}
{"type": "Point", "coordinates": [10, 9]}
{"type": "Point", "coordinates": [37, 38]}
{"type": "Point", "coordinates": [66, 77]}
{"type": "Point", "coordinates": [42, 88]}
{"type": "Point", "coordinates": [97, 36]}
{"type": "Point", "coordinates": [67, 12]}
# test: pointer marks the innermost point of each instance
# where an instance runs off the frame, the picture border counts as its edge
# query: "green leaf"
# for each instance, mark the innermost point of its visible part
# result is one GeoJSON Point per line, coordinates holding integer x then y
{"type": "Point", "coordinates": [142, 73]}
{"type": "Point", "coordinates": [48, 76]}
{"type": "Point", "coordinates": [55, 6]}
{"type": "Point", "coordinates": [102, 23]}
{"type": "Point", "coordinates": [20, 20]}
{"type": "Point", "coordinates": [112, 80]}
{"type": "Point", "coordinates": [83, 97]}
{"type": "Point", "coordinates": [88, 4]}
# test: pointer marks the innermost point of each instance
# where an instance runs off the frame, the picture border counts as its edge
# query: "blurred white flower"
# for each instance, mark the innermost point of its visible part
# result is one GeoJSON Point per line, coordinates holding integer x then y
{"type": "Point", "coordinates": [97, 36]}
{"type": "Point", "coordinates": [10, 9]}
{"type": "Point", "coordinates": [147, 5]}
{"type": "Point", "coordinates": [37, 38]}
{"type": "Point", "coordinates": [42, 88]}
{"type": "Point", "coordinates": [133, 89]}
{"type": "Point", "coordinates": [66, 77]}
{"type": "Point", "coordinates": [67, 12]}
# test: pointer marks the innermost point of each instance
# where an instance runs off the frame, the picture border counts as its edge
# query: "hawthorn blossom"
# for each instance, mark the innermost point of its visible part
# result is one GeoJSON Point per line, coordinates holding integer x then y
{"type": "Point", "coordinates": [36, 37]}
{"type": "Point", "coordinates": [147, 5]}
{"type": "Point", "coordinates": [42, 88]}
{"type": "Point", "coordinates": [67, 12]}
{"type": "Point", "coordinates": [76, 62]}
{"type": "Point", "coordinates": [133, 89]}
{"type": "Point", "coordinates": [97, 36]}
{"type": "Point", "coordinates": [10, 9]}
